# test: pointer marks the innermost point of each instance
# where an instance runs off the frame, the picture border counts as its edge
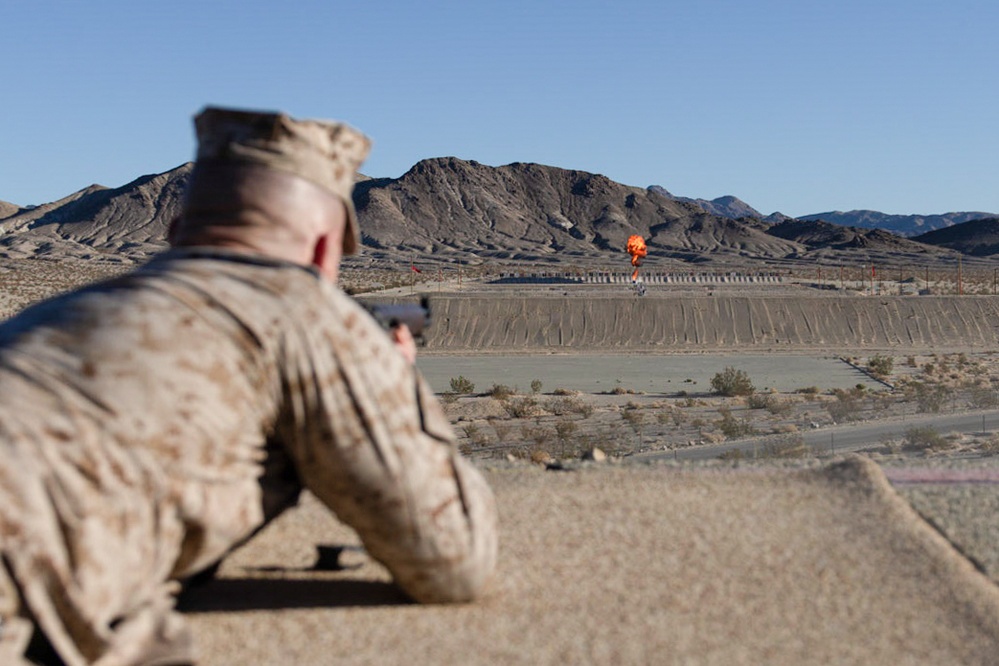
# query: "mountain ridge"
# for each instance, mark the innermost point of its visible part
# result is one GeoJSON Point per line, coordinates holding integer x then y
{"type": "Point", "coordinates": [447, 209]}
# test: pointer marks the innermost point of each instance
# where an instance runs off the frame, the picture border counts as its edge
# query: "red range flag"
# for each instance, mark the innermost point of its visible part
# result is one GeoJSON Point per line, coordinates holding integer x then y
{"type": "Point", "coordinates": [415, 269]}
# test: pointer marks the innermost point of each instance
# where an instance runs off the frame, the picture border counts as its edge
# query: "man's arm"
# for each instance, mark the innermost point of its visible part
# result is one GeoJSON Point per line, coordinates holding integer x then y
{"type": "Point", "coordinates": [372, 442]}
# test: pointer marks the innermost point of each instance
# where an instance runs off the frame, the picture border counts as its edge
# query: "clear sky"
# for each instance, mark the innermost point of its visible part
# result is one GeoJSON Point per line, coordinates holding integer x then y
{"type": "Point", "coordinates": [798, 106]}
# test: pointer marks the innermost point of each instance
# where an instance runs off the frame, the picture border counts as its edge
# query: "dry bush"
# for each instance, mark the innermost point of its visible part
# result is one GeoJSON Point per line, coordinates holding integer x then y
{"type": "Point", "coordinates": [929, 397]}
{"type": "Point", "coordinates": [500, 392]}
{"type": "Point", "coordinates": [925, 438]}
{"type": "Point", "coordinates": [501, 429]}
{"type": "Point", "coordinates": [732, 454]}
{"type": "Point", "coordinates": [462, 385]}
{"type": "Point", "coordinates": [770, 402]}
{"type": "Point", "coordinates": [634, 418]}
{"type": "Point", "coordinates": [523, 407]}
{"type": "Point", "coordinates": [990, 445]}
{"type": "Point", "coordinates": [563, 405]}
{"type": "Point", "coordinates": [982, 397]}
{"type": "Point", "coordinates": [785, 428]}
{"type": "Point", "coordinates": [793, 446]}
{"type": "Point", "coordinates": [475, 435]}
{"type": "Point", "coordinates": [732, 382]}
{"type": "Point", "coordinates": [731, 426]}
{"type": "Point", "coordinates": [881, 365]}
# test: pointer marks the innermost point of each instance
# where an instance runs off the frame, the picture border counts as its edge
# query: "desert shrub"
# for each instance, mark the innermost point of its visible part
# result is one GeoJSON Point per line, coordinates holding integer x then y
{"type": "Point", "coordinates": [562, 405]}
{"type": "Point", "coordinates": [501, 428]}
{"type": "Point", "coordinates": [779, 407]}
{"type": "Point", "coordinates": [676, 416]}
{"type": "Point", "coordinates": [792, 446]}
{"type": "Point", "coordinates": [564, 428]}
{"type": "Point", "coordinates": [930, 397]}
{"type": "Point", "coordinates": [462, 385]}
{"type": "Point", "coordinates": [844, 408]}
{"type": "Point", "coordinates": [732, 427]}
{"type": "Point", "coordinates": [732, 454]}
{"type": "Point", "coordinates": [475, 435]}
{"type": "Point", "coordinates": [769, 402]}
{"type": "Point", "coordinates": [540, 457]}
{"type": "Point", "coordinates": [881, 365]}
{"type": "Point", "coordinates": [730, 382]}
{"type": "Point", "coordinates": [449, 397]}
{"type": "Point", "coordinates": [538, 435]}
{"type": "Point", "coordinates": [883, 401]}
{"type": "Point", "coordinates": [522, 408]}
{"type": "Point", "coordinates": [633, 418]}
{"type": "Point", "coordinates": [564, 391]}
{"type": "Point", "coordinates": [910, 361]}
{"type": "Point", "coordinates": [809, 390]}
{"type": "Point", "coordinates": [990, 445]}
{"type": "Point", "coordinates": [922, 438]}
{"type": "Point", "coordinates": [500, 392]}
{"type": "Point", "coordinates": [983, 397]}
{"type": "Point", "coordinates": [536, 386]}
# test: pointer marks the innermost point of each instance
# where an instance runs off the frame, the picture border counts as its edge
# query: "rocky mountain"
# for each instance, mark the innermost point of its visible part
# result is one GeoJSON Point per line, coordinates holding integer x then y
{"type": "Point", "coordinates": [977, 238]}
{"type": "Point", "coordinates": [8, 209]}
{"type": "Point", "coordinates": [99, 222]}
{"type": "Point", "coordinates": [532, 211]}
{"type": "Point", "coordinates": [903, 225]}
{"type": "Point", "coordinates": [450, 210]}
{"type": "Point", "coordinates": [727, 206]}
{"type": "Point", "coordinates": [825, 240]}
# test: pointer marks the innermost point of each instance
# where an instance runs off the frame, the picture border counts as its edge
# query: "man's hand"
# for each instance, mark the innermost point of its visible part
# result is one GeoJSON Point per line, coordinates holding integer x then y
{"type": "Point", "coordinates": [404, 342]}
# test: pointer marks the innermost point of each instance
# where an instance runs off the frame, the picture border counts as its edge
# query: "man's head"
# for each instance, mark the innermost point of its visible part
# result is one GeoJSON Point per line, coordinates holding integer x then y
{"type": "Point", "coordinates": [268, 183]}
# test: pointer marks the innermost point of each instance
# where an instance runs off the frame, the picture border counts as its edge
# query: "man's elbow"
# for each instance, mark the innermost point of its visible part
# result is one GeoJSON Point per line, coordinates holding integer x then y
{"type": "Point", "coordinates": [464, 573]}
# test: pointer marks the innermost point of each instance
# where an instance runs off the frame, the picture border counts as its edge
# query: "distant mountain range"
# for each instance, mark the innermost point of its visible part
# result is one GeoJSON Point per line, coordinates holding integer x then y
{"type": "Point", "coordinates": [448, 210]}
{"type": "Point", "coordinates": [903, 225]}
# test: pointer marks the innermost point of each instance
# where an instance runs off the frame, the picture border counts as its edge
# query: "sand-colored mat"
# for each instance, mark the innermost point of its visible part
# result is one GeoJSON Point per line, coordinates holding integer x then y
{"type": "Point", "coordinates": [632, 565]}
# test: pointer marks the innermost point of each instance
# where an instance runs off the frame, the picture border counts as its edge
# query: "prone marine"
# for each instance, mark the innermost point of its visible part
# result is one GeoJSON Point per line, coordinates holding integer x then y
{"type": "Point", "coordinates": [151, 423]}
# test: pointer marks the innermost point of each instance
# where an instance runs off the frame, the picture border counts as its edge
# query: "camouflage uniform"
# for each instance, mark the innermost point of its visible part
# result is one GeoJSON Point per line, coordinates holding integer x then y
{"type": "Point", "coordinates": [151, 423]}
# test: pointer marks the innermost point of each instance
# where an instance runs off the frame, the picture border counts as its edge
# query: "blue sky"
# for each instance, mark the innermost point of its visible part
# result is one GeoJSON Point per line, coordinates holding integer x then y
{"type": "Point", "coordinates": [800, 106]}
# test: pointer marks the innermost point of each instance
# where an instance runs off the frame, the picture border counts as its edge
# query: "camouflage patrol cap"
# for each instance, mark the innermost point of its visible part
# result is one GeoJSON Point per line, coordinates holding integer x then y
{"type": "Point", "coordinates": [326, 153]}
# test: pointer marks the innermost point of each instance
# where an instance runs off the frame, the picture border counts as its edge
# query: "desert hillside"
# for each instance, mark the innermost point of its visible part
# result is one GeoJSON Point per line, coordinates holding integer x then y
{"type": "Point", "coordinates": [449, 211]}
{"type": "Point", "coordinates": [979, 238]}
{"type": "Point", "coordinates": [715, 323]}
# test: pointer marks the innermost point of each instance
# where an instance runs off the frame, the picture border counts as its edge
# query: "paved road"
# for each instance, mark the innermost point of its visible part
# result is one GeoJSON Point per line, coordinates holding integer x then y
{"type": "Point", "coordinates": [841, 439]}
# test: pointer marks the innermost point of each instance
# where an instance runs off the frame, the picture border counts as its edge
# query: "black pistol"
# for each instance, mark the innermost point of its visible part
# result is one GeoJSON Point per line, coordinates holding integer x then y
{"type": "Point", "coordinates": [414, 315]}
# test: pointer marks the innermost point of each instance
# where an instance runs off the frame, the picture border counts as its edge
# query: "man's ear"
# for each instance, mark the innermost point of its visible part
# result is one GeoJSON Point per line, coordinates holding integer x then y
{"type": "Point", "coordinates": [325, 256]}
{"type": "Point", "coordinates": [320, 252]}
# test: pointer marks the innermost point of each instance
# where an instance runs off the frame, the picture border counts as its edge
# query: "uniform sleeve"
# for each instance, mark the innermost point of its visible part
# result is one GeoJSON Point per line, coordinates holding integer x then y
{"type": "Point", "coordinates": [371, 441]}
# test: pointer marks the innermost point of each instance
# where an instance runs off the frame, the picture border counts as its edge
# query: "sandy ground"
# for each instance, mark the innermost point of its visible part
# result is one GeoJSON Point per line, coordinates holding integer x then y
{"type": "Point", "coordinates": [650, 373]}
{"type": "Point", "coordinates": [791, 561]}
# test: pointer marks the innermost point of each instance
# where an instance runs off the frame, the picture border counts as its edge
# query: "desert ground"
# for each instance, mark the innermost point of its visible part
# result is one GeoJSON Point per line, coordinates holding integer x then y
{"type": "Point", "coordinates": [545, 368]}
{"type": "Point", "coordinates": [540, 366]}
{"type": "Point", "coordinates": [774, 550]}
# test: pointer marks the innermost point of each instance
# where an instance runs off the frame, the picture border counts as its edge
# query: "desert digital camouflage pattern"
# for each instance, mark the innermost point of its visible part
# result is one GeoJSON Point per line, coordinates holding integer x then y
{"type": "Point", "coordinates": [151, 423]}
